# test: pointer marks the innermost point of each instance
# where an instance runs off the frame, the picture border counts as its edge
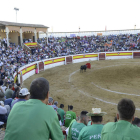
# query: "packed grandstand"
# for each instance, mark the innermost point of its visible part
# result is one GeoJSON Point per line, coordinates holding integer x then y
{"type": "Point", "coordinates": [53, 122]}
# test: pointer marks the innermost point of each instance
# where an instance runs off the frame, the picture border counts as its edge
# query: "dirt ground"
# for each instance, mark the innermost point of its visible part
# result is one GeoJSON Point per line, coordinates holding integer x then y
{"type": "Point", "coordinates": [102, 86]}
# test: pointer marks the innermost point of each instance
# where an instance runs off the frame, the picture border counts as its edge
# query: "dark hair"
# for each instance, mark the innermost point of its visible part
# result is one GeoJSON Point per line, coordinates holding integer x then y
{"type": "Point", "coordinates": [10, 86]}
{"type": "Point", "coordinates": [22, 97]}
{"type": "Point", "coordinates": [18, 84]}
{"type": "Point", "coordinates": [83, 113]}
{"type": "Point", "coordinates": [1, 82]}
{"type": "Point", "coordinates": [59, 117]}
{"type": "Point", "coordinates": [96, 118]}
{"type": "Point", "coordinates": [39, 88]}
{"type": "Point", "coordinates": [136, 122]}
{"type": "Point", "coordinates": [61, 106]}
{"type": "Point", "coordinates": [126, 109]}
{"type": "Point", "coordinates": [71, 107]}
{"type": "Point", "coordinates": [16, 89]}
{"type": "Point", "coordinates": [115, 119]}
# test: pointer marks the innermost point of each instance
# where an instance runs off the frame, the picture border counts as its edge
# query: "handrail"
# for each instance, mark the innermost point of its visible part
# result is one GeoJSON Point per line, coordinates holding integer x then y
{"type": "Point", "coordinates": [96, 31]}
{"type": "Point", "coordinates": [26, 46]}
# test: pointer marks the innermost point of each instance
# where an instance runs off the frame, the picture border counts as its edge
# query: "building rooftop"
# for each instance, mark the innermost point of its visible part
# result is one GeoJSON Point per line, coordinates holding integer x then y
{"type": "Point", "coordinates": [5, 23]}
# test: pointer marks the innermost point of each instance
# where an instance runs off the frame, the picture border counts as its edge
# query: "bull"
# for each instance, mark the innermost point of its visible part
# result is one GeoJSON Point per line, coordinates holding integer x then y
{"type": "Point", "coordinates": [83, 67]}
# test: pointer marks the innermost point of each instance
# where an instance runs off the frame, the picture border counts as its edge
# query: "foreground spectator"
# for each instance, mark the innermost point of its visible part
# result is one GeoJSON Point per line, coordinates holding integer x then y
{"type": "Point", "coordinates": [123, 129]}
{"type": "Point", "coordinates": [61, 112]}
{"type": "Point", "coordinates": [77, 126]}
{"type": "Point", "coordinates": [34, 119]}
{"type": "Point", "coordinates": [70, 115]}
{"type": "Point", "coordinates": [93, 131]}
{"type": "Point", "coordinates": [23, 96]}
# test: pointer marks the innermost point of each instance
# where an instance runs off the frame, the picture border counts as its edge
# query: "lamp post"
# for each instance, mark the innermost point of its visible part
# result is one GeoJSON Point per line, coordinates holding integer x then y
{"type": "Point", "coordinates": [16, 9]}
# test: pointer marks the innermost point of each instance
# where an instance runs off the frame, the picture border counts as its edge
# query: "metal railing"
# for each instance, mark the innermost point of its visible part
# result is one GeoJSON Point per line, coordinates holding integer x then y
{"type": "Point", "coordinates": [90, 33]}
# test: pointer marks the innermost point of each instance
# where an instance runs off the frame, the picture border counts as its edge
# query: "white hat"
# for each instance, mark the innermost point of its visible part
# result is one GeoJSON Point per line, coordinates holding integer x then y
{"type": "Point", "coordinates": [24, 92]}
{"type": "Point", "coordinates": [96, 112]}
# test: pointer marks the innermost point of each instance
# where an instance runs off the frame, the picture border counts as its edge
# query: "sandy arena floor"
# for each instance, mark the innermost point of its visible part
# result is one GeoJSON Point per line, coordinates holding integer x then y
{"type": "Point", "coordinates": [102, 86]}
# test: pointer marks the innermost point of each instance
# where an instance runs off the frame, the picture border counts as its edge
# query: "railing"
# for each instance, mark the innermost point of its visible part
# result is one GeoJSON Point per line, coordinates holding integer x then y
{"type": "Point", "coordinates": [89, 33]}
{"type": "Point", "coordinates": [38, 45]}
{"type": "Point", "coordinates": [25, 47]}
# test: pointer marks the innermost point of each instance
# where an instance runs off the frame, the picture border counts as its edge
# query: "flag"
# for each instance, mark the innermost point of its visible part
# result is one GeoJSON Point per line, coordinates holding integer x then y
{"type": "Point", "coordinates": [105, 28]}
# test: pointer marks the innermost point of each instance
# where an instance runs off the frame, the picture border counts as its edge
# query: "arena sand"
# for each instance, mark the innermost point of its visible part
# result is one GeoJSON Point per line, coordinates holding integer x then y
{"type": "Point", "coordinates": [78, 89]}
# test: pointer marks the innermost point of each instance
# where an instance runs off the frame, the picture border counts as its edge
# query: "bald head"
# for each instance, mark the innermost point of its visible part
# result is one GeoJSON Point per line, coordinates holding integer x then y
{"type": "Point", "coordinates": [39, 88]}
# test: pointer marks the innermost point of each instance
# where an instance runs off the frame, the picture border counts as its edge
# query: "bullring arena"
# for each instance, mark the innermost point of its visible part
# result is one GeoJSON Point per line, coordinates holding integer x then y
{"type": "Point", "coordinates": [102, 86]}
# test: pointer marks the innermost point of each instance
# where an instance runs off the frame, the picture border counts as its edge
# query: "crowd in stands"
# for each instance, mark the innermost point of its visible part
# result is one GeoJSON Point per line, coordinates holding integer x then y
{"type": "Point", "coordinates": [14, 56]}
{"type": "Point", "coordinates": [92, 44]}
{"type": "Point", "coordinates": [27, 40]}
{"type": "Point", "coordinates": [35, 115]}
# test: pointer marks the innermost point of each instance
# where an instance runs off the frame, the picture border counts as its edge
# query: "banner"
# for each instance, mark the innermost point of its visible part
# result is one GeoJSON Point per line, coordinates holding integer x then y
{"type": "Point", "coordinates": [31, 44]}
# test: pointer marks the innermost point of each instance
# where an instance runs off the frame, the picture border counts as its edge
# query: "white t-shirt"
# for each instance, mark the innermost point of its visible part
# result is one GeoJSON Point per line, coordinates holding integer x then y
{"type": "Point", "coordinates": [3, 88]}
{"type": "Point", "coordinates": [60, 123]}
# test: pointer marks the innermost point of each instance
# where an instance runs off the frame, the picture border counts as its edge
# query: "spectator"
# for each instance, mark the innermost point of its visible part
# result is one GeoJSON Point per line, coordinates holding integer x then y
{"type": "Point", "coordinates": [70, 115]}
{"type": "Point", "coordinates": [9, 92]}
{"type": "Point", "coordinates": [23, 96]}
{"type": "Point", "coordinates": [37, 120]}
{"type": "Point", "coordinates": [59, 118]}
{"type": "Point", "coordinates": [55, 105]}
{"type": "Point", "coordinates": [76, 126]}
{"type": "Point", "coordinates": [16, 92]}
{"type": "Point", "coordinates": [6, 101]}
{"type": "Point", "coordinates": [4, 86]}
{"type": "Point", "coordinates": [123, 129]}
{"type": "Point", "coordinates": [50, 101]}
{"type": "Point", "coordinates": [61, 112]}
{"type": "Point", "coordinates": [93, 131]}
{"type": "Point", "coordinates": [3, 113]}
{"type": "Point", "coordinates": [136, 122]}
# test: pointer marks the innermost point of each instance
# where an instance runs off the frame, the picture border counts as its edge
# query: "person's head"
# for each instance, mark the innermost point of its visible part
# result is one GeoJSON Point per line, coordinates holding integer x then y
{"type": "Point", "coordinates": [50, 100]}
{"type": "Point", "coordinates": [96, 115]}
{"type": "Point", "coordinates": [136, 122]}
{"type": "Point", "coordinates": [61, 106]}
{"type": "Point", "coordinates": [71, 107]}
{"type": "Point", "coordinates": [97, 119]}
{"type": "Point", "coordinates": [39, 89]}
{"type": "Point", "coordinates": [126, 110]}
{"type": "Point", "coordinates": [10, 86]}
{"type": "Point", "coordinates": [23, 94]}
{"type": "Point", "coordinates": [18, 84]}
{"type": "Point", "coordinates": [56, 103]}
{"type": "Point", "coordinates": [84, 117]}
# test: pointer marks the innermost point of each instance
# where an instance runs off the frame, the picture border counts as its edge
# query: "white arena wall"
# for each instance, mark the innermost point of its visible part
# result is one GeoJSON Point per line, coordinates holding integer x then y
{"type": "Point", "coordinates": [29, 69]}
